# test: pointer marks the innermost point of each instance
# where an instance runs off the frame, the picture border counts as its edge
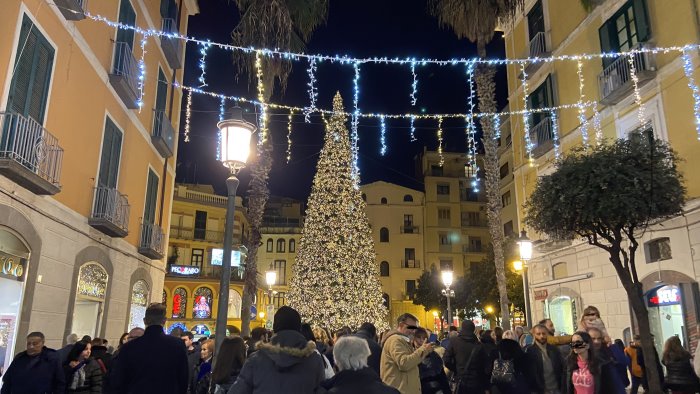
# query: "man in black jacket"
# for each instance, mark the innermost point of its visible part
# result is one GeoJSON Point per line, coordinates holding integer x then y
{"type": "Point", "coordinates": [545, 363]}
{"type": "Point", "coordinates": [152, 363]}
{"type": "Point", "coordinates": [35, 370]}
{"type": "Point", "coordinates": [368, 332]}
{"type": "Point", "coordinates": [467, 359]}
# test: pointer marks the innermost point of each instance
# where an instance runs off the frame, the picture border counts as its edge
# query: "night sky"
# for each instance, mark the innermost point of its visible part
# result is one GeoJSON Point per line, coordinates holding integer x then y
{"type": "Point", "coordinates": [359, 28]}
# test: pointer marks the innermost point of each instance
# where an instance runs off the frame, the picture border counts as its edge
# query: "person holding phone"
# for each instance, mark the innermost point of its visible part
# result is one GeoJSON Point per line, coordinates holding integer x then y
{"type": "Point", "coordinates": [433, 379]}
{"type": "Point", "coordinates": [591, 319]}
{"type": "Point", "coordinates": [586, 371]}
{"type": "Point", "coordinates": [400, 360]}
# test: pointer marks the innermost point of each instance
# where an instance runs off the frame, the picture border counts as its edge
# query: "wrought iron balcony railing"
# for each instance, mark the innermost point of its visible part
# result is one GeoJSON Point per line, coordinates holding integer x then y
{"type": "Point", "coordinates": [172, 46]}
{"type": "Point", "coordinates": [410, 263]}
{"type": "Point", "coordinates": [541, 137]}
{"type": "Point", "coordinates": [72, 10]}
{"type": "Point", "coordinates": [124, 75]}
{"type": "Point", "coordinates": [163, 136]}
{"type": "Point", "coordinates": [151, 241]}
{"type": "Point", "coordinates": [110, 212]}
{"type": "Point", "coordinates": [615, 82]}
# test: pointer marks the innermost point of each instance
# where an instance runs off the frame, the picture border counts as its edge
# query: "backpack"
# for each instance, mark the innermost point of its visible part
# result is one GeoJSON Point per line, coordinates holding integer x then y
{"type": "Point", "coordinates": [503, 371]}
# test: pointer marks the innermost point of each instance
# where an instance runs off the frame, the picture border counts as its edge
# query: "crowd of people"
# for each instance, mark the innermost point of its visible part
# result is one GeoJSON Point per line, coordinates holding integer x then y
{"type": "Point", "coordinates": [298, 358]}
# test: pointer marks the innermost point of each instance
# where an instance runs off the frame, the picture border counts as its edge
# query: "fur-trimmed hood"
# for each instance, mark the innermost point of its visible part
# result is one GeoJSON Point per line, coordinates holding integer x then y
{"type": "Point", "coordinates": [287, 349]}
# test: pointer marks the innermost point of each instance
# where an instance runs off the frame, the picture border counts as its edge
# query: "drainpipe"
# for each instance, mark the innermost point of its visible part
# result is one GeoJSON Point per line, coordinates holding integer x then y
{"type": "Point", "coordinates": [170, 116]}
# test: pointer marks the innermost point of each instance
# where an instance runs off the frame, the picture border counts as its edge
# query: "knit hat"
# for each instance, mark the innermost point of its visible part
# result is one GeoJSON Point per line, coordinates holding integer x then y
{"type": "Point", "coordinates": [286, 318]}
{"type": "Point", "coordinates": [468, 326]}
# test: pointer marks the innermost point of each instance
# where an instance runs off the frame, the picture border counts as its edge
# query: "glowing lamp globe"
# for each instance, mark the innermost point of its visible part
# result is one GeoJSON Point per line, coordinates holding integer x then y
{"type": "Point", "coordinates": [447, 277]}
{"type": "Point", "coordinates": [235, 134]}
{"type": "Point", "coordinates": [518, 265]}
{"type": "Point", "coordinates": [525, 246]}
{"type": "Point", "coordinates": [270, 277]}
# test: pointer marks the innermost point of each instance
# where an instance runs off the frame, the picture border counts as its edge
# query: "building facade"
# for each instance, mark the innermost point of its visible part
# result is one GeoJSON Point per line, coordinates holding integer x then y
{"type": "Point", "coordinates": [566, 277]}
{"type": "Point", "coordinates": [86, 178]}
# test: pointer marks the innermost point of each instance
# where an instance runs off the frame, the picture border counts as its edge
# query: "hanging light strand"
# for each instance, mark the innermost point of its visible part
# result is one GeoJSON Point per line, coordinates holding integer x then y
{"type": "Point", "coordinates": [313, 91]}
{"type": "Point", "coordinates": [526, 115]}
{"type": "Point", "coordinates": [596, 124]}
{"type": "Point", "coordinates": [355, 138]}
{"type": "Point", "coordinates": [555, 135]}
{"type": "Point", "coordinates": [497, 126]}
{"type": "Point", "coordinates": [413, 128]}
{"type": "Point", "coordinates": [641, 115]}
{"type": "Point", "coordinates": [261, 98]}
{"type": "Point", "coordinates": [203, 49]}
{"type": "Point", "coordinates": [414, 85]}
{"type": "Point", "coordinates": [688, 69]}
{"type": "Point", "coordinates": [582, 119]}
{"type": "Point", "coordinates": [439, 138]}
{"type": "Point", "coordinates": [289, 135]}
{"type": "Point", "coordinates": [188, 115]}
{"type": "Point", "coordinates": [471, 125]}
{"type": "Point", "coordinates": [142, 70]}
{"type": "Point", "coordinates": [382, 135]}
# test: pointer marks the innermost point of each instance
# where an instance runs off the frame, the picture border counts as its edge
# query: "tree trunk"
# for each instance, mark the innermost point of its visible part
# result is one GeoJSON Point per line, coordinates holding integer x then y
{"type": "Point", "coordinates": [259, 194]}
{"type": "Point", "coordinates": [486, 91]}
{"type": "Point", "coordinates": [651, 360]}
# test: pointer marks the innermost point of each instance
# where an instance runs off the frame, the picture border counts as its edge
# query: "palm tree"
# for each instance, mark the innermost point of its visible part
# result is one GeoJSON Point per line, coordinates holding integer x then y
{"type": "Point", "coordinates": [476, 20]}
{"type": "Point", "coordinates": [285, 25]}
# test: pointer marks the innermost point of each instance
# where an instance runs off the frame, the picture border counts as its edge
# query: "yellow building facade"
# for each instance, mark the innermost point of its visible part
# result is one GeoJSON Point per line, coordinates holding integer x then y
{"type": "Point", "coordinates": [565, 277]}
{"type": "Point", "coordinates": [195, 252]}
{"type": "Point", "coordinates": [86, 178]}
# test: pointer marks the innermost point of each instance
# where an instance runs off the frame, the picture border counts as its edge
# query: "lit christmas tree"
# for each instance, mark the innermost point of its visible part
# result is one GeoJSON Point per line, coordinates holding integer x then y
{"type": "Point", "coordinates": [336, 280]}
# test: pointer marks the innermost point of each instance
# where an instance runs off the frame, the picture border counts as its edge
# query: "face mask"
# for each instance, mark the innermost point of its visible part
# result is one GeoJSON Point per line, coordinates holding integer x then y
{"type": "Point", "coordinates": [578, 345]}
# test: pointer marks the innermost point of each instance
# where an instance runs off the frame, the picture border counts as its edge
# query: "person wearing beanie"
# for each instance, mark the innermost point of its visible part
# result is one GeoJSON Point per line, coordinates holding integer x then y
{"type": "Point", "coordinates": [468, 361]}
{"type": "Point", "coordinates": [287, 363]}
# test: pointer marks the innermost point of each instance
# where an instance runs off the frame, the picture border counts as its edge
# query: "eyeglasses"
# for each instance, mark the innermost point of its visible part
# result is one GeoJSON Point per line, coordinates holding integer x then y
{"type": "Point", "coordinates": [411, 327]}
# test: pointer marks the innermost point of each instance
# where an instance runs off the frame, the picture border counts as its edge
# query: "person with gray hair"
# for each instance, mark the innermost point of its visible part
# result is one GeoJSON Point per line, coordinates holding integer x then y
{"type": "Point", "coordinates": [354, 376]}
{"type": "Point", "coordinates": [62, 353]}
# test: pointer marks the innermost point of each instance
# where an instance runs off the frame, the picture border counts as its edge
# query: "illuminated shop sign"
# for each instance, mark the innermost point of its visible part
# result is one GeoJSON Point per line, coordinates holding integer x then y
{"type": "Point", "coordinates": [184, 270]}
{"type": "Point", "coordinates": [217, 257]}
{"type": "Point", "coordinates": [12, 267]}
{"type": "Point", "coordinates": [663, 296]}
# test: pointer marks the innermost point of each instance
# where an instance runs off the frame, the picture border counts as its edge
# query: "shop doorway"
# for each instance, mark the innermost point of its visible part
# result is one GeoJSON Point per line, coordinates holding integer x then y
{"type": "Point", "coordinates": [14, 256]}
{"type": "Point", "coordinates": [666, 315]}
{"type": "Point", "coordinates": [89, 300]}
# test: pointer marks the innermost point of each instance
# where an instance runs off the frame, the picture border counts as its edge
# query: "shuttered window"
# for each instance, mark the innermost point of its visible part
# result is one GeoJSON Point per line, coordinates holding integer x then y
{"type": "Point", "coordinates": [625, 29]}
{"type": "Point", "coordinates": [32, 74]}
{"type": "Point", "coordinates": [127, 16]}
{"type": "Point", "coordinates": [161, 91]}
{"type": "Point", "coordinates": [149, 211]}
{"type": "Point", "coordinates": [109, 161]}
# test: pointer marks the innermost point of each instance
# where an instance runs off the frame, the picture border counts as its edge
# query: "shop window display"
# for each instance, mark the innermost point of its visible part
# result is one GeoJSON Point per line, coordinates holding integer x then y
{"type": "Point", "coordinates": [89, 300]}
{"type": "Point", "coordinates": [13, 267]}
{"type": "Point", "coordinates": [202, 303]}
{"type": "Point", "coordinates": [179, 303]}
{"type": "Point", "coordinates": [139, 302]}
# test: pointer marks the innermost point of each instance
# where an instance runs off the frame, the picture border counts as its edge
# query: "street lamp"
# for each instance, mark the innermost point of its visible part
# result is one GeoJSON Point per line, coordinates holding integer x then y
{"type": "Point", "coordinates": [525, 246]}
{"type": "Point", "coordinates": [270, 280]}
{"type": "Point", "coordinates": [235, 134]}
{"type": "Point", "coordinates": [447, 277]}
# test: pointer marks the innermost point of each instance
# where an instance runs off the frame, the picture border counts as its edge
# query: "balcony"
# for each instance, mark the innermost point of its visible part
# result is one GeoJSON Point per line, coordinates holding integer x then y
{"type": "Point", "coordinates": [541, 137]}
{"type": "Point", "coordinates": [151, 241]}
{"type": "Point", "coordinates": [201, 197]}
{"type": "Point", "coordinates": [445, 248]}
{"type": "Point", "coordinates": [110, 212]}
{"type": "Point", "coordinates": [279, 221]}
{"type": "Point", "coordinates": [474, 223]}
{"type": "Point", "coordinates": [615, 82]}
{"type": "Point", "coordinates": [410, 230]}
{"type": "Point", "coordinates": [124, 75]}
{"type": "Point", "coordinates": [29, 155]}
{"type": "Point", "coordinates": [537, 48]}
{"type": "Point", "coordinates": [72, 10]}
{"type": "Point", "coordinates": [197, 234]}
{"type": "Point", "coordinates": [473, 249]}
{"type": "Point", "coordinates": [172, 46]}
{"type": "Point", "coordinates": [467, 196]}
{"type": "Point", "coordinates": [163, 136]}
{"type": "Point", "coordinates": [410, 263]}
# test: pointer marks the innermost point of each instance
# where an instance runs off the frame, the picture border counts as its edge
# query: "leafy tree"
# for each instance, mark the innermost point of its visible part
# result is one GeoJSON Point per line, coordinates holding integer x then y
{"type": "Point", "coordinates": [476, 20]}
{"type": "Point", "coordinates": [608, 196]}
{"type": "Point", "coordinates": [429, 292]}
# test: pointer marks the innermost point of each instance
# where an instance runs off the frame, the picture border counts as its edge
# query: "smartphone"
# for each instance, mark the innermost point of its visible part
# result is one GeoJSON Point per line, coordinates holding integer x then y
{"type": "Point", "coordinates": [433, 338]}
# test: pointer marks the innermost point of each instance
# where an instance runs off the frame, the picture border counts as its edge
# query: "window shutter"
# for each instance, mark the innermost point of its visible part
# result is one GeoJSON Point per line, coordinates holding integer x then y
{"type": "Point", "coordinates": [149, 214]}
{"type": "Point", "coordinates": [162, 91]}
{"type": "Point", "coordinates": [109, 163]}
{"type": "Point", "coordinates": [605, 44]}
{"type": "Point", "coordinates": [641, 19]}
{"type": "Point", "coordinates": [127, 16]}
{"type": "Point", "coordinates": [40, 83]}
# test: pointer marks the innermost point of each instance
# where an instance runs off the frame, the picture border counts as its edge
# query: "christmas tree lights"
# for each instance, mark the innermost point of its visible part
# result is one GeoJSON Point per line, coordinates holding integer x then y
{"type": "Point", "coordinates": [336, 279]}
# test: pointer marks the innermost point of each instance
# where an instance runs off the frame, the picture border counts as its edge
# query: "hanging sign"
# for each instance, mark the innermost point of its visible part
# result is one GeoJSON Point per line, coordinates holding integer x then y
{"type": "Point", "coordinates": [184, 270]}
{"type": "Point", "coordinates": [541, 295]}
{"type": "Point", "coordinates": [664, 296]}
{"type": "Point", "coordinates": [12, 267]}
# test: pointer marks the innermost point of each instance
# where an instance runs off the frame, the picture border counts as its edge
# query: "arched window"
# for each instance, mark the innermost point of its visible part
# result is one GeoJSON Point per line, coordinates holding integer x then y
{"type": "Point", "coordinates": [202, 303]}
{"type": "Point", "coordinates": [559, 271]}
{"type": "Point", "coordinates": [139, 302]}
{"type": "Point", "coordinates": [179, 303]}
{"type": "Point", "coordinates": [384, 201]}
{"type": "Point", "coordinates": [384, 268]}
{"type": "Point", "coordinates": [385, 298]}
{"type": "Point", "coordinates": [89, 301]}
{"type": "Point", "coordinates": [234, 304]}
{"type": "Point", "coordinates": [292, 246]}
{"type": "Point", "coordinates": [173, 326]}
{"type": "Point", "coordinates": [269, 245]}
{"type": "Point", "coordinates": [364, 197]}
{"type": "Point", "coordinates": [280, 245]}
{"type": "Point", "coordinates": [408, 198]}
{"type": "Point", "coordinates": [384, 234]}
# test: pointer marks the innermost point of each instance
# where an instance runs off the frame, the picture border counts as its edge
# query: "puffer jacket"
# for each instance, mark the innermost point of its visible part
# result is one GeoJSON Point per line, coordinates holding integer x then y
{"type": "Point", "coordinates": [289, 363]}
{"type": "Point", "coordinates": [399, 363]}
{"type": "Point", "coordinates": [680, 376]}
{"type": "Point", "coordinates": [92, 383]}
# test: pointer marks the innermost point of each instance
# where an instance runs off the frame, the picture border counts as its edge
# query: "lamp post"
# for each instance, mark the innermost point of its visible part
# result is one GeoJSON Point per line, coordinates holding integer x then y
{"type": "Point", "coordinates": [447, 277]}
{"type": "Point", "coordinates": [235, 134]}
{"type": "Point", "coordinates": [525, 246]}
{"type": "Point", "coordinates": [270, 280]}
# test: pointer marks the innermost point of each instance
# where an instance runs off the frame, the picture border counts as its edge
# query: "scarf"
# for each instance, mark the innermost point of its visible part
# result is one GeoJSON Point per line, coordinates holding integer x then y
{"type": "Point", "coordinates": [78, 376]}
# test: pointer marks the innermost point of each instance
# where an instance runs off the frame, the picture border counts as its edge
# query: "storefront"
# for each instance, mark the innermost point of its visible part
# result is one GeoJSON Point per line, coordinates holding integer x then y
{"type": "Point", "coordinates": [666, 316]}
{"type": "Point", "coordinates": [13, 266]}
{"type": "Point", "coordinates": [561, 306]}
{"type": "Point", "coordinates": [90, 299]}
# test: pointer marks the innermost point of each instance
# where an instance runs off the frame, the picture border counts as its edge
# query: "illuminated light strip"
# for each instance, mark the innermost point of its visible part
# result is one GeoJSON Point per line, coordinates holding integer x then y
{"type": "Point", "coordinates": [555, 134]}
{"type": "Point", "coordinates": [526, 115]}
{"type": "Point", "coordinates": [261, 98]}
{"type": "Point", "coordinates": [439, 138]}
{"type": "Point", "coordinates": [222, 112]}
{"type": "Point", "coordinates": [497, 126]}
{"type": "Point", "coordinates": [688, 70]}
{"type": "Point", "coordinates": [203, 48]}
{"type": "Point", "coordinates": [313, 91]}
{"type": "Point", "coordinates": [142, 70]}
{"type": "Point", "coordinates": [414, 85]}
{"type": "Point", "coordinates": [188, 115]}
{"type": "Point", "coordinates": [641, 116]}
{"type": "Point", "coordinates": [471, 126]}
{"type": "Point", "coordinates": [582, 119]}
{"type": "Point", "coordinates": [382, 138]}
{"type": "Point", "coordinates": [596, 124]}
{"type": "Point", "coordinates": [396, 60]}
{"type": "Point", "coordinates": [413, 128]}
{"type": "Point", "coordinates": [355, 140]}
{"type": "Point", "coordinates": [289, 135]}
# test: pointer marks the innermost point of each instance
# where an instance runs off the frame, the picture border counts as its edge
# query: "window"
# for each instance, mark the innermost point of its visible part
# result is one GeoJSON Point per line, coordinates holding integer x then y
{"type": "Point", "coordinates": [384, 234]}
{"type": "Point", "coordinates": [408, 224]}
{"type": "Point", "coordinates": [202, 303]}
{"type": "Point", "coordinates": [408, 198]}
{"type": "Point", "coordinates": [657, 250]}
{"type": "Point", "coordinates": [168, 9]}
{"type": "Point", "coordinates": [109, 160]}
{"type": "Point", "coordinates": [292, 246]}
{"type": "Point", "coordinates": [127, 16]}
{"type": "Point", "coordinates": [234, 304]}
{"type": "Point", "coordinates": [505, 199]}
{"type": "Point", "coordinates": [384, 201]}
{"type": "Point", "coordinates": [559, 271]}
{"type": "Point", "coordinates": [279, 299]}
{"type": "Point", "coordinates": [445, 239]}
{"type": "Point", "coordinates": [535, 20]}
{"type": "Point", "coordinates": [149, 210]}
{"type": "Point", "coordinates": [200, 225]}
{"type": "Point", "coordinates": [197, 257]}
{"type": "Point", "coordinates": [443, 213]}
{"type": "Point", "coordinates": [364, 197]}
{"type": "Point", "coordinates": [443, 190]}
{"type": "Point", "coordinates": [280, 245]}
{"type": "Point", "coordinates": [508, 228]}
{"type": "Point", "coordinates": [445, 264]}
{"type": "Point", "coordinates": [410, 289]}
{"type": "Point", "coordinates": [29, 89]}
{"type": "Point", "coordinates": [471, 219]}
{"type": "Point", "coordinates": [410, 261]}
{"type": "Point", "coordinates": [139, 302]}
{"type": "Point", "coordinates": [435, 170]}
{"type": "Point", "coordinates": [504, 170]}
{"type": "Point", "coordinates": [469, 171]}
{"type": "Point", "coordinates": [475, 244]}
{"type": "Point", "coordinates": [384, 268]}
{"type": "Point", "coordinates": [268, 248]}
{"type": "Point", "coordinates": [281, 267]}
{"type": "Point", "coordinates": [542, 97]}
{"type": "Point", "coordinates": [179, 303]}
{"type": "Point", "coordinates": [161, 97]}
{"type": "Point", "coordinates": [625, 29]}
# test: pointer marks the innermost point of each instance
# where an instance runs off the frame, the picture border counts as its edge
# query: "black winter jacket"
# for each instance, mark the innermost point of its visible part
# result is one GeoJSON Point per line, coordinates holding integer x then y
{"type": "Point", "coordinates": [374, 359]}
{"type": "Point", "coordinates": [42, 373]}
{"type": "Point", "coordinates": [535, 372]}
{"type": "Point", "coordinates": [509, 349]}
{"type": "Point", "coordinates": [93, 378]}
{"type": "Point", "coordinates": [289, 364]}
{"type": "Point", "coordinates": [364, 381]}
{"type": "Point", "coordinates": [680, 376]}
{"type": "Point", "coordinates": [432, 375]}
{"type": "Point", "coordinates": [473, 377]}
